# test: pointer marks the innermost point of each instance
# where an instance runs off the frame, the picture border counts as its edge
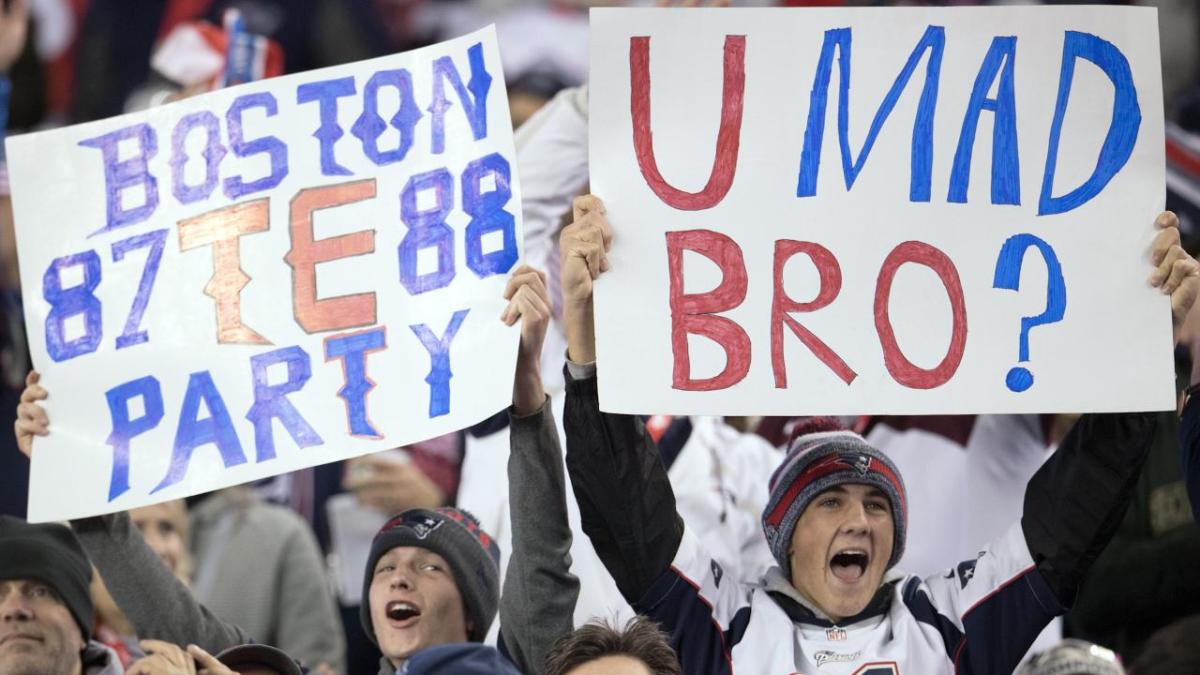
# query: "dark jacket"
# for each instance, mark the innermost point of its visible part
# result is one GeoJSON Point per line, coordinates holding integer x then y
{"type": "Point", "coordinates": [1072, 507]}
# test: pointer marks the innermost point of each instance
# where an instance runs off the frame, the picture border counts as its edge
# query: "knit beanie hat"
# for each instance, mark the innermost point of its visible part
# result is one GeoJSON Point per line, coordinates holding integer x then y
{"type": "Point", "coordinates": [51, 554]}
{"type": "Point", "coordinates": [1074, 657]}
{"type": "Point", "coordinates": [248, 656]}
{"type": "Point", "coordinates": [822, 455]}
{"type": "Point", "coordinates": [473, 556]}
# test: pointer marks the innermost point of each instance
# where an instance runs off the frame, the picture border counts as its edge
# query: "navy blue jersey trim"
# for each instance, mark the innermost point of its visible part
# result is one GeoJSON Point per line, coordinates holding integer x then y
{"type": "Point", "coordinates": [689, 620]}
{"type": "Point", "coordinates": [922, 610]}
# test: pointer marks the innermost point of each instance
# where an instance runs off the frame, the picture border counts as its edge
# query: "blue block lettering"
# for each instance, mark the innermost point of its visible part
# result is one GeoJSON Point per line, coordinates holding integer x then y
{"type": "Point", "coordinates": [213, 153]}
{"type": "Point", "coordinates": [474, 104]}
{"type": "Point", "coordinates": [156, 241]}
{"type": "Point", "coordinates": [275, 149]}
{"type": "Point", "coordinates": [1006, 176]}
{"type": "Point", "coordinates": [488, 215]}
{"type": "Point", "coordinates": [370, 126]}
{"type": "Point", "coordinates": [352, 350]}
{"type": "Point", "coordinates": [122, 175]}
{"type": "Point", "coordinates": [326, 94]}
{"type": "Point", "coordinates": [68, 302]}
{"type": "Point", "coordinates": [933, 41]}
{"type": "Point", "coordinates": [270, 401]}
{"type": "Point", "coordinates": [427, 228]}
{"type": "Point", "coordinates": [1122, 131]}
{"type": "Point", "coordinates": [125, 429]}
{"type": "Point", "coordinates": [194, 432]}
{"type": "Point", "coordinates": [439, 362]}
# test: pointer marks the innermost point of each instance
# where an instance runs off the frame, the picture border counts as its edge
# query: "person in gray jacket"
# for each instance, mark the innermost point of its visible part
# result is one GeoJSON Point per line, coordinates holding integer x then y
{"type": "Point", "coordinates": [46, 613]}
{"type": "Point", "coordinates": [432, 577]}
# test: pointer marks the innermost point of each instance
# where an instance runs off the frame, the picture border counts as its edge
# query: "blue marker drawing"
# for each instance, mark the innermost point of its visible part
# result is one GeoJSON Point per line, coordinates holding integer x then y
{"type": "Point", "coordinates": [125, 429]}
{"type": "Point", "coordinates": [193, 432]}
{"type": "Point", "coordinates": [439, 362]}
{"type": "Point", "coordinates": [934, 42]}
{"type": "Point", "coordinates": [1008, 276]}
{"type": "Point", "coordinates": [213, 153]}
{"type": "Point", "coordinates": [271, 402]}
{"type": "Point", "coordinates": [352, 350]}
{"type": "Point", "coordinates": [474, 104]}
{"type": "Point", "coordinates": [1122, 131]}
{"type": "Point", "coordinates": [326, 94]}
{"type": "Point", "coordinates": [370, 126]}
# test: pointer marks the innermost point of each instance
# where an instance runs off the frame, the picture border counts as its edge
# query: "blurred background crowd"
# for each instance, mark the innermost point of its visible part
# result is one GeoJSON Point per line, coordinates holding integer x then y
{"type": "Point", "coordinates": [307, 533]}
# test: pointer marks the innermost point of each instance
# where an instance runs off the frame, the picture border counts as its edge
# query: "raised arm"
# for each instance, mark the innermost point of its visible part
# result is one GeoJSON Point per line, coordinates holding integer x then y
{"type": "Point", "coordinates": [626, 504]}
{"type": "Point", "coordinates": [538, 599]}
{"type": "Point", "coordinates": [158, 605]}
{"type": "Point", "coordinates": [1076, 501]}
{"type": "Point", "coordinates": [1073, 507]}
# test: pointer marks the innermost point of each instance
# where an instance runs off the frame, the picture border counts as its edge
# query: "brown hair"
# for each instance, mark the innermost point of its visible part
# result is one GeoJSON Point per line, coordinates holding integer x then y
{"type": "Point", "coordinates": [1172, 650]}
{"type": "Point", "coordinates": [641, 639]}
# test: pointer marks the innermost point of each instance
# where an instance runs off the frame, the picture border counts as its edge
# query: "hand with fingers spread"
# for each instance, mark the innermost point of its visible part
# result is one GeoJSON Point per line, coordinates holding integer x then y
{"type": "Point", "coordinates": [31, 417]}
{"type": "Point", "coordinates": [1176, 273]}
{"type": "Point", "coordinates": [584, 246]}
{"type": "Point", "coordinates": [529, 303]}
{"type": "Point", "coordinates": [14, 27]}
{"type": "Point", "coordinates": [207, 664]}
{"type": "Point", "coordinates": [162, 658]}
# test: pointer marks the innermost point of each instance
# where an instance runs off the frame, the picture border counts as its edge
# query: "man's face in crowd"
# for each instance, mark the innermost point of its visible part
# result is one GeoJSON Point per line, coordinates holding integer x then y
{"type": "Point", "coordinates": [840, 548]}
{"type": "Point", "coordinates": [158, 525]}
{"type": "Point", "coordinates": [38, 636]}
{"type": "Point", "coordinates": [415, 602]}
{"type": "Point", "coordinates": [617, 664]}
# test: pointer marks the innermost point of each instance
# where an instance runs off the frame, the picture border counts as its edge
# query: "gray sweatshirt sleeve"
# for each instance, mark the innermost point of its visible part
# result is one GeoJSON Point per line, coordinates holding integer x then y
{"type": "Point", "coordinates": [538, 601]}
{"type": "Point", "coordinates": [158, 605]}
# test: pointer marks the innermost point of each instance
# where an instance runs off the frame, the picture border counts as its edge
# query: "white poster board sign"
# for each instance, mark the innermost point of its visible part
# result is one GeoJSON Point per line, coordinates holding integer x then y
{"type": "Point", "coordinates": [907, 210]}
{"type": "Point", "coordinates": [268, 277]}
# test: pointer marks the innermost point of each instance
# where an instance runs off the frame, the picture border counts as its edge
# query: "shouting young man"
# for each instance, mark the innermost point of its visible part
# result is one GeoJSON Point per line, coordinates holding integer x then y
{"type": "Point", "coordinates": [836, 524]}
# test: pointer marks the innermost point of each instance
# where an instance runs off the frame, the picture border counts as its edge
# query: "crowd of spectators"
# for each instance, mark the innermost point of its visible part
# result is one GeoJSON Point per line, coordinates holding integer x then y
{"type": "Point", "coordinates": [609, 558]}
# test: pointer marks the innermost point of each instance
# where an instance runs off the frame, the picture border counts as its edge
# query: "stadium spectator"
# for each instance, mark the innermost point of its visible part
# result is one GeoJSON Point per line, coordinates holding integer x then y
{"type": "Point", "coordinates": [46, 613]}
{"type": "Point", "coordinates": [639, 648]}
{"type": "Point", "coordinates": [1173, 650]}
{"type": "Point", "coordinates": [836, 524]}
{"type": "Point", "coordinates": [1074, 657]}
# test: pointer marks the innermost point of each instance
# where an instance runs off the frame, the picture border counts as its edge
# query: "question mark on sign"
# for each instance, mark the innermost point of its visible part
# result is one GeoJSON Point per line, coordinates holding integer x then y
{"type": "Point", "coordinates": [1008, 276]}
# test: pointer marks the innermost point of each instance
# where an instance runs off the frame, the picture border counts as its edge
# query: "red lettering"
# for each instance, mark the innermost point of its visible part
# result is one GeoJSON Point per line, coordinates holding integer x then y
{"type": "Point", "coordinates": [831, 284]}
{"type": "Point", "coordinates": [696, 313]}
{"type": "Point", "coordinates": [347, 311]}
{"type": "Point", "coordinates": [223, 229]}
{"type": "Point", "coordinates": [903, 370]}
{"type": "Point", "coordinates": [728, 135]}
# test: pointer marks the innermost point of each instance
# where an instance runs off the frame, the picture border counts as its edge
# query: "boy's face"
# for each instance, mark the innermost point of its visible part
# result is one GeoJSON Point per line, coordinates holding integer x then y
{"type": "Point", "coordinates": [840, 548]}
{"type": "Point", "coordinates": [415, 603]}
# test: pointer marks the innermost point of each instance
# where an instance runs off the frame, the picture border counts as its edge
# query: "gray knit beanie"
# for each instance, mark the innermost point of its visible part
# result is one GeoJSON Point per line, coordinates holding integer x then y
{"type": "Point", "coordinates": [473, 556]}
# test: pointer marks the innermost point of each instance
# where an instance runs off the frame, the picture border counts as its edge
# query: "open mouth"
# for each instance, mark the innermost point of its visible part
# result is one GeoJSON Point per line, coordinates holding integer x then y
{"type": "Point", "coordinates": [849, 565]}
{"type": "Point", "coordinates": [400, 611]}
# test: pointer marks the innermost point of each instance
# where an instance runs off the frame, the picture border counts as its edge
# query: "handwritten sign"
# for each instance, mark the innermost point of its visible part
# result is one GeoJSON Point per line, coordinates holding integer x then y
{"type": "Point", "coordinates": [879, 210]}
{"type": "Point", "coordinates": [268, 277]}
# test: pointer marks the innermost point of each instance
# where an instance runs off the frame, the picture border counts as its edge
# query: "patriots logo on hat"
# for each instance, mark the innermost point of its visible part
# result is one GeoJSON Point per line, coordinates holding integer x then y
{"type": "Point", "coordinates": [856, 460]}
{"type": "Point", "coordinates": [420, 524]}
{"type": "Point", "coordinates": [424, 526]}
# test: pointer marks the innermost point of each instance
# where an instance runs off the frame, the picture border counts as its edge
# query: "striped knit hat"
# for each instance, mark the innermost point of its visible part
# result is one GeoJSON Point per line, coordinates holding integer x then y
{"type": "Point", "coordinates": [454, 534]}
{"type": "Point", "coordinates": [822, 455]}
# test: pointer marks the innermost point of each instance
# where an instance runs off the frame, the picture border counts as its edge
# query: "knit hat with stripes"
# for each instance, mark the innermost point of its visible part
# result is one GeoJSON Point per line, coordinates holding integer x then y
{"type": "Point", "coordinates": [822, 455]}
{"type": "Point", "coordinates": [454, 534]}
